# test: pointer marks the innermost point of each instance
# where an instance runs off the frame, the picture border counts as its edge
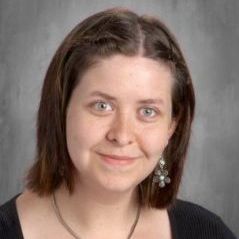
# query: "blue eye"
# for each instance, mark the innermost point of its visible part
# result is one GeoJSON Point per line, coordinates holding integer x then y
{"type": "Point", "coordinates": [101, 105]}
{"type": "Point", "coordinates": [149, 112]}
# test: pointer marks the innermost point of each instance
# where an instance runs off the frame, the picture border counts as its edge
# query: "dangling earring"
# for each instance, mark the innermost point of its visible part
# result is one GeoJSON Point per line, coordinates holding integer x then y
{"type": "Point", "coordinates": [161, 174]}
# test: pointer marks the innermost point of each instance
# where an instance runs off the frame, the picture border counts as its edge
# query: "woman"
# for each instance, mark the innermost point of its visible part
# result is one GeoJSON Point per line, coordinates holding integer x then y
{"type": "Point", "coordinates": [113, 130]}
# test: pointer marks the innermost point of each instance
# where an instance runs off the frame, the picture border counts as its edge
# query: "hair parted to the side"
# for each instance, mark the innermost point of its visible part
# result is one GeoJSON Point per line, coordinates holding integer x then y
{"type": "Point", "coordinates": [110, 32]}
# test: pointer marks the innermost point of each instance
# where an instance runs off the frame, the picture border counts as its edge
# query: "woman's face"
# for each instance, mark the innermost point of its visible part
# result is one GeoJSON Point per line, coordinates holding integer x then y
{"type": "Point", "coordinates": [121, 106]}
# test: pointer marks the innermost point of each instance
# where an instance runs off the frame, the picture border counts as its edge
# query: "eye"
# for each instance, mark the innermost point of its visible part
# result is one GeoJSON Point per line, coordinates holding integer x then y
{"type": "Point", "coordinates": [101, 106]}
{"type": "Point", "coordinates": [149, 112]}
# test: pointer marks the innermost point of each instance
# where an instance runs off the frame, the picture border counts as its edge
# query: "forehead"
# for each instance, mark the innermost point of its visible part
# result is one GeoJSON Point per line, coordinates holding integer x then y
{"type": "Point", "coordinates": [125, 76]}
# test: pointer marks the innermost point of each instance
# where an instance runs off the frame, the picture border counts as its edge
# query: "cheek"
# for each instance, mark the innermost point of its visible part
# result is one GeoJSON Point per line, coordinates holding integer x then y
{"type": "Point", "coordinates": [154, 141]}
{"type": "Point", "coordinates": [81, 134]}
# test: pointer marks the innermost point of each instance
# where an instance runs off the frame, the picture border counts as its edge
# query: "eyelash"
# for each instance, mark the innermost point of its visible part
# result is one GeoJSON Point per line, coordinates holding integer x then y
{"type": "Point", "coordinates": [98, 102]}
{"type": "Point", "coordinates": [155, 112]}
{"type": "Point", "coordinates": [103, 102]}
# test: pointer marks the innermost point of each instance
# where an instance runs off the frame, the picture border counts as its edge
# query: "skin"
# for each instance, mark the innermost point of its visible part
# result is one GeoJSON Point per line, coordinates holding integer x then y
{"type": "Point", "coordinates": [105, 199]}
{"type": "Point", "coordinates": [121, 126]}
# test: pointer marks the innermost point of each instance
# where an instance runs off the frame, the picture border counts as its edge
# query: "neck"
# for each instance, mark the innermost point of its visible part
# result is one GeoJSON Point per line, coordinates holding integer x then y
{"type": "Point", "coordinates": [94, 211]}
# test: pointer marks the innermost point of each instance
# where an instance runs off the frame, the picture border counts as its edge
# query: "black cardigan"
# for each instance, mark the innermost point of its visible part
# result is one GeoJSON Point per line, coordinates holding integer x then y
{"type": "Point", "coordinates": [188, 221]}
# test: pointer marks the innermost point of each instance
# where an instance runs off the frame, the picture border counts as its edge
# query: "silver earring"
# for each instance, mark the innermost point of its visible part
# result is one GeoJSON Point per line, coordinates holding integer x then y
{"type": "Point", "coordinates": [160, 174]}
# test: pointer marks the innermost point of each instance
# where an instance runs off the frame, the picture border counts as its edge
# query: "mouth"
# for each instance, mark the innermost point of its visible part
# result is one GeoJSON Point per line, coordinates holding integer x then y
{"type": "Point", "coordinates": [117, 160]}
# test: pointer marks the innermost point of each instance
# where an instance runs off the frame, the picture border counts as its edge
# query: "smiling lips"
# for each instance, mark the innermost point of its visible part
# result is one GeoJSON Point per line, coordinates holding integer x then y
{"type": "Point", "coordinates": [117, 160]}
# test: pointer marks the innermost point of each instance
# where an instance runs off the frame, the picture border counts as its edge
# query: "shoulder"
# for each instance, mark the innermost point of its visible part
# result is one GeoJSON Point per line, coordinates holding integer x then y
{"type": "Point", "coordinates": [9, 222]}
{"type": "Point", "coordinates": [195, 221]}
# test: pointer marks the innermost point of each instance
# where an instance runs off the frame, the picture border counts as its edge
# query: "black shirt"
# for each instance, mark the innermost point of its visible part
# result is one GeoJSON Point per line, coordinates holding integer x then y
{"type": "Point", "coordinates": [188, 221]}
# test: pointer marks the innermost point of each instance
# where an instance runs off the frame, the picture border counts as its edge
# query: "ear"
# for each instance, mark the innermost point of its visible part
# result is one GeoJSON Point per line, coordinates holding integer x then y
{"type": "Point", "coordinates": [172, 127]}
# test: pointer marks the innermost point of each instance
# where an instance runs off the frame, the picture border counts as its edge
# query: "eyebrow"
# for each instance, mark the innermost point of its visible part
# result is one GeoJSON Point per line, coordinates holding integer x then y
{"type": "Point", "coordinates": [143, 101]}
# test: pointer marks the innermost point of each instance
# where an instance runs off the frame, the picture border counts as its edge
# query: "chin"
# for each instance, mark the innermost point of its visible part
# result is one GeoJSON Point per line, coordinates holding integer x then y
{"type": "Point", "coordinates": [118, 184]}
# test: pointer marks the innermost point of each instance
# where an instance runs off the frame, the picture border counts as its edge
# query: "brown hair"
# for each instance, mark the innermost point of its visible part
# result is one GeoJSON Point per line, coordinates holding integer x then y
{"type": "Point", "coordinates": [113, 31]}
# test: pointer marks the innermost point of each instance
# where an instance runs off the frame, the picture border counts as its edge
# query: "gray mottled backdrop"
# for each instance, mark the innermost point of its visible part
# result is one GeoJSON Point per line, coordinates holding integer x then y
{"type": "Point", "coordinates": [208, 32]}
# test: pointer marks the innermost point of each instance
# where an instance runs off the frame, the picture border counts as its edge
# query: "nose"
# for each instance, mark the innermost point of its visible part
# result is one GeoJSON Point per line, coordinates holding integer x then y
{"type": "Point", "coordinates": [121, 130]}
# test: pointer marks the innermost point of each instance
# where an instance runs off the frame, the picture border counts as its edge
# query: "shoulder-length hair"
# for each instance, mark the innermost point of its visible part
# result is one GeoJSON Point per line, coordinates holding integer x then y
{"type": "Point", "coordinates": [113, 31]}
